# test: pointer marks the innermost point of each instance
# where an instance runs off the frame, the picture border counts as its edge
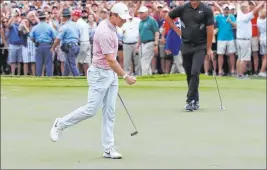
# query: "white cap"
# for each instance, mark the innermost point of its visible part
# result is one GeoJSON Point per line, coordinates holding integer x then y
{"type": "Point", "coordinates": [226, 6]}
{"type": "Point", "coordinates": [142, 9]}
{"type": "Point", "coordinates": [121, 9]}
{"type": "Point", "coordinates": [231, 7]}
{"type": "Point", "coordinates": [253, 2]}
{"type": "Point", "coordinates": [166, 9]}
{"type": "Point", "coordinates": [160, 5]}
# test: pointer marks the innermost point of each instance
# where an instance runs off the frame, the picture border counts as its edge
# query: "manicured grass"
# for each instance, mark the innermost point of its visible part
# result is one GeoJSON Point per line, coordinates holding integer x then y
{"type": "Point", "coordinates": [168, 137]}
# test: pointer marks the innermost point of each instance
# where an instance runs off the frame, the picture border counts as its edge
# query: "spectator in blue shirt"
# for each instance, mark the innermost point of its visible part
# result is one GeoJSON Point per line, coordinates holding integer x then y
{"type": "Point", "coordinates": [226, 43]}
{"type": "Point", "coordinates": [15, 42]}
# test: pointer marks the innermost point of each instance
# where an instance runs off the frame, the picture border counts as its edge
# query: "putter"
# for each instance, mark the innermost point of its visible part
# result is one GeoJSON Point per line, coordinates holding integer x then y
{"type": "Point", "coordinates": [136, 132]}
{"type": "Point", "coordinates": [215, 77]}
{"type": "Point", "coordinates": [221, 107]}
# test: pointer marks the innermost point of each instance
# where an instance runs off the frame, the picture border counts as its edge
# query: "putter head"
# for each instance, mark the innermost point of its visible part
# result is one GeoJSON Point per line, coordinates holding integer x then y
{"type": "Point", "coordinates": [222, 108]}
{"type": "Point", "coordinates": [134, 133]}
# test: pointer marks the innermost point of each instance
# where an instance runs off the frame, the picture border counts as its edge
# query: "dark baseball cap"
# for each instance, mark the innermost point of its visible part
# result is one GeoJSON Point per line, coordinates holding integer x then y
{"type": "Point", "coordinates": [54, 6]}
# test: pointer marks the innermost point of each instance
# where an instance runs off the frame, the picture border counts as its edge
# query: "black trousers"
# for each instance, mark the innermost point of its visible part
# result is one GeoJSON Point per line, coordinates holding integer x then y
{"type": "Point", "coordinates": [193, 62]}
{"type": "Point", "coordinates": [3, 61]}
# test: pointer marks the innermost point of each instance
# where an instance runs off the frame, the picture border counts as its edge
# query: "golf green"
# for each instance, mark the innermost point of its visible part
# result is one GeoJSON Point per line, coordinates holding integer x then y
{"type": "Point", "coordinates": [168, 136]}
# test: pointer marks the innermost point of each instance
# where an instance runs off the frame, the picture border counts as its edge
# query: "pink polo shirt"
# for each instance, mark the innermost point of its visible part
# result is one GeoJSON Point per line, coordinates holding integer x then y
{"type": "Point", "coordinates": [105, 42]}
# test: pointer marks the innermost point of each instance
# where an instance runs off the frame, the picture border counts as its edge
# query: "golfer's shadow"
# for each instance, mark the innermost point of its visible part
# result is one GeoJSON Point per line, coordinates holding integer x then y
{"type": "Point", "coordinates": [201, 110]}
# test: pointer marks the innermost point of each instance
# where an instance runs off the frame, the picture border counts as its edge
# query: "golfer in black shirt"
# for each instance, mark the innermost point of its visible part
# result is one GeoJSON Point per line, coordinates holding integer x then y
{"type": "Point", "coordinates": [197, 33]}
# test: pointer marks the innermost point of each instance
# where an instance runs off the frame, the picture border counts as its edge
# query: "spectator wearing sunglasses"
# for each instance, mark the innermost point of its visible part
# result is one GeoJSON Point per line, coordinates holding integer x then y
{"type": "Point", "coordinates": [4, 46]}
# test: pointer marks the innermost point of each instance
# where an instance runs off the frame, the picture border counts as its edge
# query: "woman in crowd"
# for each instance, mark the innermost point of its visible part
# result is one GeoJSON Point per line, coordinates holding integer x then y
{"type": "Point", "coordinates": [4, 46]}
{"type": "Point", "coordinates": [28, 48]}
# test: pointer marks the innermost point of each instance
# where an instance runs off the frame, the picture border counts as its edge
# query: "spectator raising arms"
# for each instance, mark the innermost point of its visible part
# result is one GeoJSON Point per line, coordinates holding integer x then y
{"type": "Point", "coordinates": [244, 36]}
{"type": "Point", "coordinates": [145, 56]}
{"type": "Point", "coordinates": [15, 42]}
{"type": "Point", "coordinates": [262, 34]}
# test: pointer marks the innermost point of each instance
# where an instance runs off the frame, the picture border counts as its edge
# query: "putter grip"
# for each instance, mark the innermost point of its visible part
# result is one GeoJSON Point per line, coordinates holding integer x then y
{"type": "Point", "coordinates": [134, 133]}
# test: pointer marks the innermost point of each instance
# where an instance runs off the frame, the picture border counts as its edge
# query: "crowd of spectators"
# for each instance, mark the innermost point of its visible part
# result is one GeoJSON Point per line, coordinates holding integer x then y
{"type": "Point", "coordinates": [147, 44]}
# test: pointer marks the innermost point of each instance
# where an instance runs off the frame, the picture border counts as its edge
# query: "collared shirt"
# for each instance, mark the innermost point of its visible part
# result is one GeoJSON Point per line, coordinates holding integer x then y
{"type": "Point", "coordinates": [43, 33]}
{"type": "Point", "coordinates": [194, 22]}
{"type": "Point", "coordinates": [225, 29]}
{"type": "Point", "coordinates": [69, 33]}
{"type": "Point", "coordinates": [147, 29]}
{"type": "Point", "coordinates": [243, 25]}
{"type": "Point", "coordinates": [261, 23]}
{"type": "Point", "coordinates": [131, 30]}
{"type": "Point", "coordinates": [105, 42]}
{"type": "Point", "coordinates": [84, 30]}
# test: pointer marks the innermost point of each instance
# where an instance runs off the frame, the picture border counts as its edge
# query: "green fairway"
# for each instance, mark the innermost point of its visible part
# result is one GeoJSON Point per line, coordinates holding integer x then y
{"type": "Point", "coordinates": [168, 136]}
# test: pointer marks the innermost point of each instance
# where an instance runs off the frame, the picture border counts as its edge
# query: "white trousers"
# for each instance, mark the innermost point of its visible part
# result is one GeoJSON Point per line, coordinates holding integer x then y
{"type": "Point", "coordinates": [103, 90]}
{"type": "Point", "coordinates": [177, 66]}
{"type": "Point", "coordinates": [129, 55]}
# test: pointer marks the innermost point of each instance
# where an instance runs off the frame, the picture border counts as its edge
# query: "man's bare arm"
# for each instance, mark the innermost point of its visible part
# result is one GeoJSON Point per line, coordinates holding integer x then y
{"type": "Point", "coordinates": [57, 41]}
{"type": "Point", "coordinates": [258, 7]}
{"type": "Point", "coordinates": [156, 38]}
{"type": "Point", "coordinates": [210, 30]}
{"type": "Point", "coordinates": [172, 25]}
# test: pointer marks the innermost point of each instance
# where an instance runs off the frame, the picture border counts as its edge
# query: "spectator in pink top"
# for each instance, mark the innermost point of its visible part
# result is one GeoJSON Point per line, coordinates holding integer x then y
{"type": "Point", "coordinates": [103, 82]}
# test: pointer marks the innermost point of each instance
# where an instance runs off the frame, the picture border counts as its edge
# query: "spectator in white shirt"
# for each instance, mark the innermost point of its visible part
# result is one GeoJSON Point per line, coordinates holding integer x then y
{"type": "Point", "coordinates": [244, 35]}
{"type": "Point", "coordinates": [130, 39]}
{"type": "Point", "coordinates": [92, 27]}
{"type": "Point", "coordinates": [261, 23]}
{"type": "Point", "coordinates": [84, 56]}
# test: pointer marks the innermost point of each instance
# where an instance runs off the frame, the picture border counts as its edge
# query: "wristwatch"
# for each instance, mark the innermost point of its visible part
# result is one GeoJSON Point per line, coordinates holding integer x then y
{"type": "Point", "coordinates": [125, 76]}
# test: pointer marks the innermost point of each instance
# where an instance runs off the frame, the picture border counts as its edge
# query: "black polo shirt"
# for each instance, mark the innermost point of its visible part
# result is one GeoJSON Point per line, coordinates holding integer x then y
{"type": "Point", "coordinates": [194, 22]}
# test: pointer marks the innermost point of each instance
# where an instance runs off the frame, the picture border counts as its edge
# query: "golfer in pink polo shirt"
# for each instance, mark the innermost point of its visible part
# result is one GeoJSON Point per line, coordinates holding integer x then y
{"type": "Point", "coordinates": [103, 82]}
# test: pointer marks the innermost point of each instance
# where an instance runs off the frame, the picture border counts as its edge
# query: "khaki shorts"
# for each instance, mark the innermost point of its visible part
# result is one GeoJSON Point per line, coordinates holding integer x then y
{"type": "Point", "coordinates": [226, 47]}
{"type": "Point", "coordinates": [255, 44]}
{"type": "Point", "coordinates": [244, 50]}
{"type": "Point", "coordinates": [162, 50]}
{"type": "Point", "coordinates": [84, 55]}
{"type": "Point", "coordinates": [263, 47]}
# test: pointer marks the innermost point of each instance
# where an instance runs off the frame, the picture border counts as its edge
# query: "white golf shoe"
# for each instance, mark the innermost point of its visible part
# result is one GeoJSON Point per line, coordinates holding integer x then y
{"type": "Point", "coordinates": [113, 154]}
{"type": "Point", "coordinates": [262, 74]}
{"type": "Point", "coordinates": [55, 131]}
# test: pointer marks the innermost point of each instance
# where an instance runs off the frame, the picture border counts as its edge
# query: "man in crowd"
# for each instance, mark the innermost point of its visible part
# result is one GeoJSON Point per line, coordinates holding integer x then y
{"type": "Point", "coordinates": [15, 42]}
{"type": "Point", "coordinates": [43, 36]}
{"type": "Point", "coordinates": [244, 36]}
{"type": "Point", "coordinates": [84, 56]}
{"type": "Point", "coordinates": [148, 40]}
{"type": "Point", "coordinates": [226, 44]}
{"type": "Point", "coordinates": [254, 39]}
{"type": "Point", "coordinates": [130, 39]}
{"type": "Point", "coordinates": [70, 37]}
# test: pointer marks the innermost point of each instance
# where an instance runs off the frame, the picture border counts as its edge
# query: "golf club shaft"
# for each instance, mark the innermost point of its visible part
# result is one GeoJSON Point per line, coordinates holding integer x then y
{"type": "Point", "coordinates": [218, 88]}
{"type": "Point", "coordinates": [127, 112]}
{"type": "Point", "coordinates": [215, 77]}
